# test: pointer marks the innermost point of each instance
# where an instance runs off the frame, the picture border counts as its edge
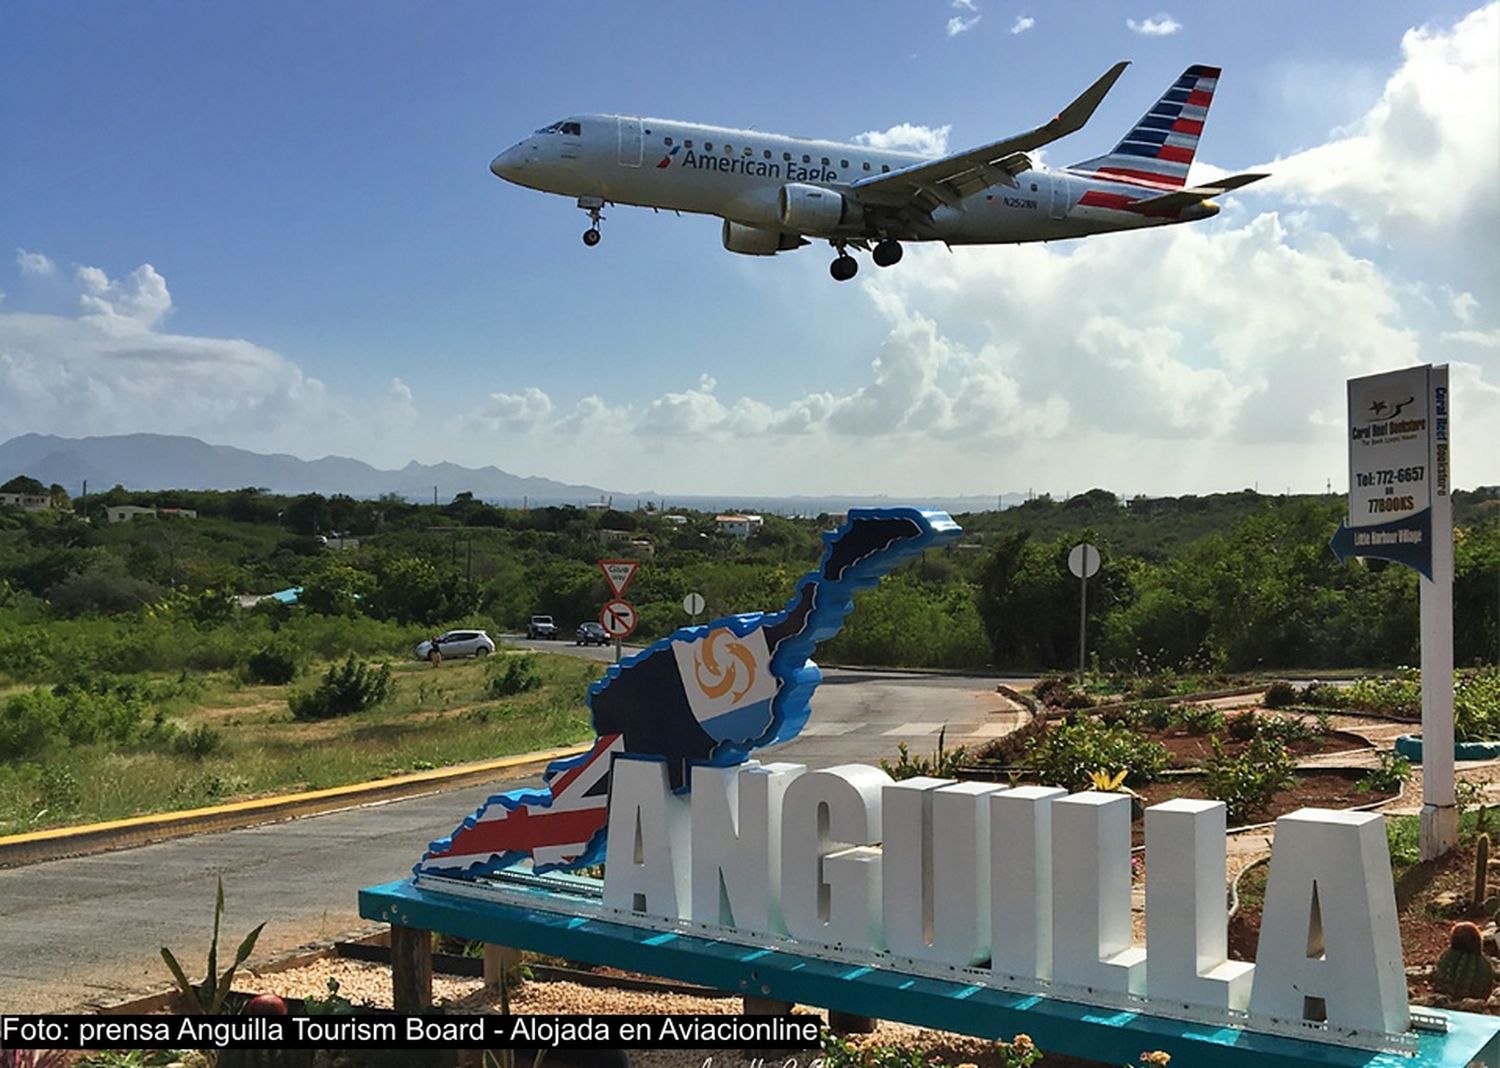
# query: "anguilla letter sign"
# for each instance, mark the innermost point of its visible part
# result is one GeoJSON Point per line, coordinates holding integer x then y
{"type": "Point", "coordinates": [1029, 887]}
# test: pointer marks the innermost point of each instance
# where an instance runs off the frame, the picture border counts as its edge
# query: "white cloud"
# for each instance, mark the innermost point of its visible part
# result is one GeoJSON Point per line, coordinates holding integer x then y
{"type": "Point", "coordinates": [1489, 339]}
{"type": "Point", "coordinates": [964, 5]}
{"type": "Point", "coordinates": [1463, 305]}
{"type": "Point", "coordinates": [1022, 24]}
{"type": "Point", "coordinates": [138, 301]}
{"type": "Point", "coordinates": [928, 140]}
{"type": "Point", "coordinates": [1160, 24]}
{"type": "Point", "coordinates": [957, 24]}
{"type": "Point", "coordinates": [521, 411]}
{"type": "Point", "coordinates": [109, 370]}
{"type": "Point", "coordinates": [1437, 115]}
{"type": "Point", "coordinates": [34, 264]}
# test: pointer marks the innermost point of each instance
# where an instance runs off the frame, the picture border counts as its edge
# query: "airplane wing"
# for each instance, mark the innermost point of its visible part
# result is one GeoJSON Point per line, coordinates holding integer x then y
{"type": "Point", "coordinates": [929, 184]}
{"type": "Point", "coordinates": [1183, 198]}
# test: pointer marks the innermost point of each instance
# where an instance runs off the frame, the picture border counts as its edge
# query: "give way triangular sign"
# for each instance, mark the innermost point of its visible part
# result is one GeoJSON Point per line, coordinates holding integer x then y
{"type": "Point", "coordinates": [618, 574]}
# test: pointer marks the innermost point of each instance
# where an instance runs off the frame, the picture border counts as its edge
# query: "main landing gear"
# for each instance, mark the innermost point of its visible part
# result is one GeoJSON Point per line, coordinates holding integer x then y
{"type": "Point", "coordinates": [592, 205]}
{"type": "Point", "coordinates": [885, 254]}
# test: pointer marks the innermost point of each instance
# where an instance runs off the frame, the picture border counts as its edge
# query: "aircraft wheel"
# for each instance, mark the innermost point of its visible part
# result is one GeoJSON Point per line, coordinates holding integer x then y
{"type": "Point", "coordinates": [887, 253]}
{"type": "Point", "coordinates": [843, 268]}
{"type": "Point", "coordinates": [591, 237]}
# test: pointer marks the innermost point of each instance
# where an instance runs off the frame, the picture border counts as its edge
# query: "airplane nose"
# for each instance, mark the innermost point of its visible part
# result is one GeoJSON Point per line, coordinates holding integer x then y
{"type": "Point", "coordinates": [508, 163]}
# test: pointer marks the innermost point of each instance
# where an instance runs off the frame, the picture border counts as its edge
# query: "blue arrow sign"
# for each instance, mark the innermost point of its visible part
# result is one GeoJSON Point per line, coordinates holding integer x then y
{"type": "Point", "coordinates": [1406, 541]}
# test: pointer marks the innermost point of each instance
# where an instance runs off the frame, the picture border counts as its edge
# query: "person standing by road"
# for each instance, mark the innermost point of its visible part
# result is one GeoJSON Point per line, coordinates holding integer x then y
{"type": "Point", "coordinates": [434, 651]}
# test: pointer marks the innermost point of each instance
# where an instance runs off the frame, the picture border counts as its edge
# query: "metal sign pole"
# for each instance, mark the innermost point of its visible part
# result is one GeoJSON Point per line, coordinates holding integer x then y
{"type": "Point", "coordinates": [1438, 827]}
{"type": "Point", "coordinates": [1083, 625]}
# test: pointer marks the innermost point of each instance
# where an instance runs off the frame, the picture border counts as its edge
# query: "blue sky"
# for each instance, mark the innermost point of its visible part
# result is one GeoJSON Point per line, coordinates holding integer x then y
{"type": "Point", "coordinates": [334, 270]}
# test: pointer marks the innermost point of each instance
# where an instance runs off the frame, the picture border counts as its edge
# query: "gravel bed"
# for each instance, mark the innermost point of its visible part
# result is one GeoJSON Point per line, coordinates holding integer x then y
{"type": "Point", "coordinates": [366, 983]}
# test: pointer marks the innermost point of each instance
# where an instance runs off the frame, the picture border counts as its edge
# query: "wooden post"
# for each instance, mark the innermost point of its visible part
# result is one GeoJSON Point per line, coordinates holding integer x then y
{"type": "Point", "coordinates": [849, 1023]}
{"type": "Point", "coordinates": [411, 969]}
{"type": "Point", "coordinates": [755, 1005]}
{"type": "Point", "coordinates": [498, 960]}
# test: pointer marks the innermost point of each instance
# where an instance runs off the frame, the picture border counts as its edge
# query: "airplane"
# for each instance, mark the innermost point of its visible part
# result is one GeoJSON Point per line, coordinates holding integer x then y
{"type": "Point", "coordinates": [774, 192]}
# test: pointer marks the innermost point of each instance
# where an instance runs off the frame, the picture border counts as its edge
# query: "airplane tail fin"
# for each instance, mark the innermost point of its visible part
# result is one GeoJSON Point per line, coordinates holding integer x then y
{"type": "Point", "coordinates": [1160, 147]}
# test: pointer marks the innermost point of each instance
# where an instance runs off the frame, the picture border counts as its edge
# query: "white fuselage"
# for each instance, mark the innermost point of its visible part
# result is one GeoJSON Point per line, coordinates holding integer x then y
{"type": "Point", "coordinates": [738, 175]}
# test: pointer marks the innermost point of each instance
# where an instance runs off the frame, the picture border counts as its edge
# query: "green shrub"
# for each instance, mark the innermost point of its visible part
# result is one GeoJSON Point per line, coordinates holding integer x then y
{"type": "Point", "coordinates": [1067, 755]}
{"type": "Point", "coordinates": [352, 687]}
{"type": "Point", "coordinates": [1199, 719]}
{"type": "Point", "coordinates": [943, 764]}
{"type": "Point", "coordinates": [1280, 694]}
{"type": "Point", "coordinates": [1400, 696]}
{"type": "Point", "coordinates": [1242, 726]}
{"type": "Point", "coordinates": [517, 676]}
{"type": "Point", "coordinates": [36, 720]}
{"type": "Point", "coordinates": [200, 742]}
{"type": "Point", "coordinates": [1247, 783]}
{"type": "Point", "coordinates": [1391, 771]}
{"type": "Point", "coordinates": [1288, 730]}
{"type": "Point", "coordinates": [1325, 695]}
{"type": "Point", "coordinates": [1476, 705]}
{"type": "Point", "coordinates": [271, 666]}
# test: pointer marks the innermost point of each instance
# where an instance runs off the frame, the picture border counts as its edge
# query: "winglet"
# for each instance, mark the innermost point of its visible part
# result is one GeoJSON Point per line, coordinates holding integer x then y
{"type": "Point", "coordinates": [1073, 117]}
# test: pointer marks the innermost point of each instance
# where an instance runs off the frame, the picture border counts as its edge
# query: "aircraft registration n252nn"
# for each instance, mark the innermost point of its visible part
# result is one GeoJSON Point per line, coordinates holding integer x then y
{"type": "Point", "coordinates": [775, 192]}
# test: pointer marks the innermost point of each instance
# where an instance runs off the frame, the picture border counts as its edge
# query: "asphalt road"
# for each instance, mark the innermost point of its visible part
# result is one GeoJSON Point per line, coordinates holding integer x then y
{"type": "Point", "coordinates": [88, 930]}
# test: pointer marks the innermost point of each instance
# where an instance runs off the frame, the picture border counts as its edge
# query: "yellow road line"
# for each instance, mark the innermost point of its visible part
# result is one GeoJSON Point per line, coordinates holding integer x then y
{"type": "Point", "coordinates": [97, 837]}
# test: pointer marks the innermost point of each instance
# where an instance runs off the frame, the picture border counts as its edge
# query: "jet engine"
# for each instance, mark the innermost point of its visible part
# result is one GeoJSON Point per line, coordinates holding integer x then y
{"type": "Point", "coordinates": [757, 240]}
{"type": "Point", "coordinates": [813, 208]}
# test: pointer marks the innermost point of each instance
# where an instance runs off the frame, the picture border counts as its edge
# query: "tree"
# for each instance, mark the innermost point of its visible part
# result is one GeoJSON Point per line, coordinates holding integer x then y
{"type": "Point", "coordinates": [24, 484]}
{"type": "Point", "coordinates": [334, 590]}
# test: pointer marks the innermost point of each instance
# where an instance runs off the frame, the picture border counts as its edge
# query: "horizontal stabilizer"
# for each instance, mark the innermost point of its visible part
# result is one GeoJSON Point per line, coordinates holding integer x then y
{"type": "Point", "coordinates": [1187, 197]}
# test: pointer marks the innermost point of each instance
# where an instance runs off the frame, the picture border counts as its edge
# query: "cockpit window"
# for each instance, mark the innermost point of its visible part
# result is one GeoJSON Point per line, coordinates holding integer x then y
{"type": "Point", "coordinates": [572, 128]}
{"type": "Point", "coordinates": [556, 127]}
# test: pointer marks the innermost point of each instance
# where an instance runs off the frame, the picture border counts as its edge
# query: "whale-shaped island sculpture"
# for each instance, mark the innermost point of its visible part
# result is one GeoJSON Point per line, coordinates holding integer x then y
{"type": "Point", "coordinates": [709, 694]}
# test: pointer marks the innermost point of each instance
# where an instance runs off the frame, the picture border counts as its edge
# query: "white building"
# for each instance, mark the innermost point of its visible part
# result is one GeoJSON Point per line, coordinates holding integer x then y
{"type": "Point", "coordinates": [27, 502]}
{"type": "Point", "coordinates": [739, 526]}
{"type": "Point", "coordinates": [124, 513]}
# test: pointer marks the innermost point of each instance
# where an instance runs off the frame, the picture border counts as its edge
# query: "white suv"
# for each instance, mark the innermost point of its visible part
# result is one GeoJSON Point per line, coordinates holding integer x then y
{"type": "Point", "coordinates": [457, 643]}
{"type": "Point", "coordinates": [541, 627]}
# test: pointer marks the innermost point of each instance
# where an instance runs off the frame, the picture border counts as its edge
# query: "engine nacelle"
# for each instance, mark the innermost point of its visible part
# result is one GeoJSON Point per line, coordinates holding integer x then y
{"type": "Point", "coordinates": [813, 208]}
{"type": "Point", "coordinates": [757, 240]}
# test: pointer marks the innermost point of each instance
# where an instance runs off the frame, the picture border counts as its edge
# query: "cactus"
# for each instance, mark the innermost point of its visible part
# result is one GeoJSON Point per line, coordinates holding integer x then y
{"type": "Point", "coordinates": [1481, 871]}
{"type": "Point", "coordinates": [1463, 971]}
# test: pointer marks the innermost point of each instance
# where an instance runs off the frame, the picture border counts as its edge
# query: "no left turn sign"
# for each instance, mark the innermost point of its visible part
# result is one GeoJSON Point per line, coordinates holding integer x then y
{"type": "Point", "coordinates": [618, 618]}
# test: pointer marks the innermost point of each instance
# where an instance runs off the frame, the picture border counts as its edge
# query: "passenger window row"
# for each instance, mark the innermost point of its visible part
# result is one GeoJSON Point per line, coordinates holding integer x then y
{"type": "Point", "coordinates": [708, 146]}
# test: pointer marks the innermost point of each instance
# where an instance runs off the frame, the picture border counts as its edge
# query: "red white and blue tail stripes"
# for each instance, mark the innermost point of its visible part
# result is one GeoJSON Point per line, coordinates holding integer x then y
{"type": "Point", "coordinates": [1159, 149]}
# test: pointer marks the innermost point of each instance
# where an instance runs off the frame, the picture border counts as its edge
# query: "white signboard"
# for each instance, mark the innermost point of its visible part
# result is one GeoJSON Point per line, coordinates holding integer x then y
{"type": "Point", "coordinates": [1390, 469]}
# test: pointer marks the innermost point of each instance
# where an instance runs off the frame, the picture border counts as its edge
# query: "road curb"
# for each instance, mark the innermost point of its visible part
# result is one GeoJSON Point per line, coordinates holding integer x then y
{"type": "Point", "coordinates": [37, 846]}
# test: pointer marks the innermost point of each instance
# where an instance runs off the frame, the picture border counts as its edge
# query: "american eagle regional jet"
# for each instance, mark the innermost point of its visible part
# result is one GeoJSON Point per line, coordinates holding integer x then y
{"type": "Point", "coordinates": [774, 192]}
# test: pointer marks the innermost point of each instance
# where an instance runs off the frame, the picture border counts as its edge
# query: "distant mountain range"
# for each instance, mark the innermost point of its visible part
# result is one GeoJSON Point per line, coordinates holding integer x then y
{"type": "Point", "coordinates": [160, 461]}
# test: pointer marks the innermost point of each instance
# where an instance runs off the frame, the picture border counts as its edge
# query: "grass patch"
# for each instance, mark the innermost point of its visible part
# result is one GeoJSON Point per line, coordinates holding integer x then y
{"type": "Point", "coordinates": [433, 719]}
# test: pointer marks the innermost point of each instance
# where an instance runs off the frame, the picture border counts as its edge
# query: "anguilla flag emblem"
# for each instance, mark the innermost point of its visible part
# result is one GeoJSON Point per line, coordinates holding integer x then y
{"type": "Point", "coordinates": [728, 682]}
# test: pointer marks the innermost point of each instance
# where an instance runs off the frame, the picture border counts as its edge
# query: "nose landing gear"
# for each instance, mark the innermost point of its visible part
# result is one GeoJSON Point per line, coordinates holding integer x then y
{"type": "Point", "coordinates": [591, 236]}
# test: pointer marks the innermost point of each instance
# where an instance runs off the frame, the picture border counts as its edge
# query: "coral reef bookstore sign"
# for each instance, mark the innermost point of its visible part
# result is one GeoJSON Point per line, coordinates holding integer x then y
{"type": "Point", "coordinates": [1398, 462]}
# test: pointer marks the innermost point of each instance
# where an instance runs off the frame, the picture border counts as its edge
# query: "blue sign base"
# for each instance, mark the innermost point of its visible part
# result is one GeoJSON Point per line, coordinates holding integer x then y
{"type": "Point", "coordinates": [1055, 1025]}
